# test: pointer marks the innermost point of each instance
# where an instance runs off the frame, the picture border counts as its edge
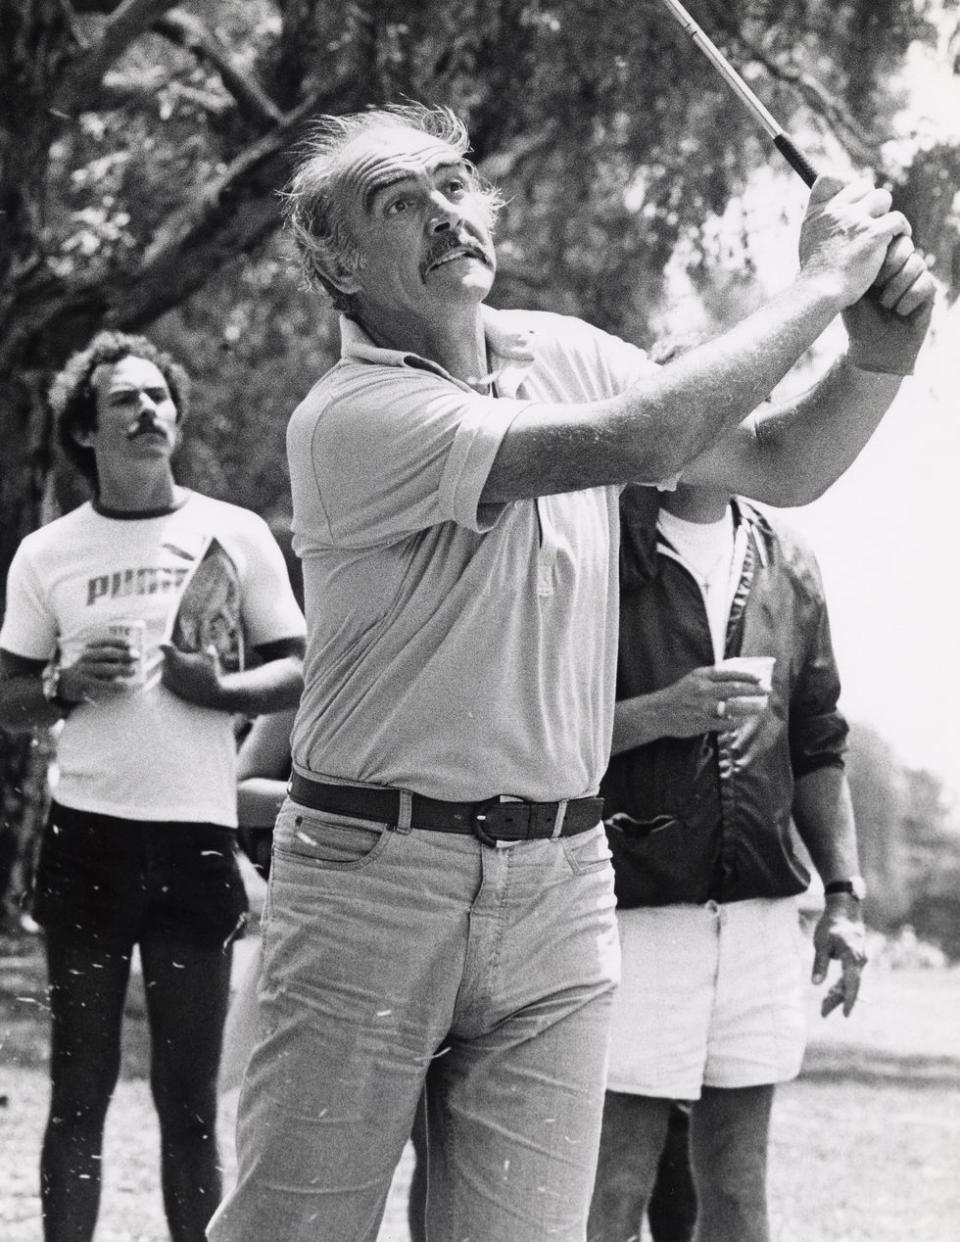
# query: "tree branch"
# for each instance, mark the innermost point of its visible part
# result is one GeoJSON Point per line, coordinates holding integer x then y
{"type": "Point", "coordinates": [811, 89]}
{"type": "Point", "coordinates": [502, 165]}
{"type": "Point", "coordinates": [191, 34]}
{"type": "Point", "coordinates": [212, 200]}
{"type": "Point", "coordinates": [225, 218]}
{"type": "Point", "coordinates": [85, 74]}
{"type": "Point", "coordinates": [120, 89]}
{"type": "Point", "coordinates": [822, 102]}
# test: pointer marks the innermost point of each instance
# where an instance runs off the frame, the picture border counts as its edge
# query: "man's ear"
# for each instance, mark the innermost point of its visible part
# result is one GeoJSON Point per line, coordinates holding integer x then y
{"type": "Point", "coordinates": [347, 282]}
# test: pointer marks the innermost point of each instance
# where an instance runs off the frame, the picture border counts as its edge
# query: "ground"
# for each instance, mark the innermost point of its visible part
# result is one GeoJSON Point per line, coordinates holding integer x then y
{"type": "Point", "coordinates": [865, 1145]}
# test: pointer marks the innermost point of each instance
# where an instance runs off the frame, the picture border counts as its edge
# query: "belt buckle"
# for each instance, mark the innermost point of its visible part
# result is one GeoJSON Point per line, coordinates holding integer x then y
{"type": "Point", "coordinates": [484, 823]}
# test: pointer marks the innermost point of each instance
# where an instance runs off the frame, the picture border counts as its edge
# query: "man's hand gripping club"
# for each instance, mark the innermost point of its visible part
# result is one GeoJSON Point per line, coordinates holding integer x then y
{"type": "Point", "coordinates": [888, 316]}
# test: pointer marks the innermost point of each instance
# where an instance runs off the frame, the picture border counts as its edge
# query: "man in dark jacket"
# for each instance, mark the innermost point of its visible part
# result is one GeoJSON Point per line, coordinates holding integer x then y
{"type": "Point", "coordinates": [713, 755]}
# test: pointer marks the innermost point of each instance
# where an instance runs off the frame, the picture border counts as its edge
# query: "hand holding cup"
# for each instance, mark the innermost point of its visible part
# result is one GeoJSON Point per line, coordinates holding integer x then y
{"type": "Point", "coordinates": [717, 697]}
{"type": "Point", "coordinates": [744, 682]}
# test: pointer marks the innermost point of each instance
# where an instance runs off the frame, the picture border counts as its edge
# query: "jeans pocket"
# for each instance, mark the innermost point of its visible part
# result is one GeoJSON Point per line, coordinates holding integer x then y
{"type": "Point", "coordinates": [333, 842]}
{"type": "Point", "coordinates": [587, 851]}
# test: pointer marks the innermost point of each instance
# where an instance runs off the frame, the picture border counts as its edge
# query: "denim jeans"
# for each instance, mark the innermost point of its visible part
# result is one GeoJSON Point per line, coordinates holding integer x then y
{"type": "Point", "coordinates": [383, 947]}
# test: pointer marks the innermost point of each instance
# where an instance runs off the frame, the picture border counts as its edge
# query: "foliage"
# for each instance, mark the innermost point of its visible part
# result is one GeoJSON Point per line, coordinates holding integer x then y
{"type": "Point", "coordinates": [141, 145]}
{"type": "Point", "coordinates": [909, 840]}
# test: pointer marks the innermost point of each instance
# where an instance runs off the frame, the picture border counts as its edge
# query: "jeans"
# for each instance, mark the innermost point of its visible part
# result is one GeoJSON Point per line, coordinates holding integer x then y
{"type": "Point", "coordinates": [381, 944]}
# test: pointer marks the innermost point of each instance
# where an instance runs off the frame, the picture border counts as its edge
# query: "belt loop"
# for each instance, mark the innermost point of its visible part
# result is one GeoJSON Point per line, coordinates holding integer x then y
{"type": "Point", "coordinates": [558, 822]}
{"type": "Point", "coordinates": [405, 816]}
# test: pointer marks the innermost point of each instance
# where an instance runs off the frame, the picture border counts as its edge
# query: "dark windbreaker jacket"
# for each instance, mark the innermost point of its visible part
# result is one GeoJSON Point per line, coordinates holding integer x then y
{"type": "Point", "coordinates": [708, 818]}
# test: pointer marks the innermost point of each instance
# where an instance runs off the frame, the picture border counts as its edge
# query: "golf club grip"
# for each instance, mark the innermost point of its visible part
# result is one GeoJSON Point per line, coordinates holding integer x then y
{"type": "Point", "coordinates": [795, 158]}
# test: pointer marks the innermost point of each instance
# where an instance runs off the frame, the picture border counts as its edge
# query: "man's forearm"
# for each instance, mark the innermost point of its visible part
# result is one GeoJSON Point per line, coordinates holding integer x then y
{"type": "Point", "coordinates": [790, 454]}
{"type": "Point", "coordinates": [816, 439]}
{"type": "Point", "coordinates": [24, 707]}
{"type": "Point", "coordinates": [639, 720]}
{"type": "Point", "coordinates": [270, 687]}
{"type": "Point", "coordinates": [823, 814]}
{"type": "Point", "coordinates": [658, 426]}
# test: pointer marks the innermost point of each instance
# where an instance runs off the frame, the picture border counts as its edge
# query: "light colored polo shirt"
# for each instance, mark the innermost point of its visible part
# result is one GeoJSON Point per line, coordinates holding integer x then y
{"type": "Point", "coordinates": [456, 649]}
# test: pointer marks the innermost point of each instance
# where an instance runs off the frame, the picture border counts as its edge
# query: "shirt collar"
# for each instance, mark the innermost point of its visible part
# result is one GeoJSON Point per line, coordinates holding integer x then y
{"type": "Point", "coordinates": [746, 525]}
{"type": "Point", "coordinates": [510, 348]}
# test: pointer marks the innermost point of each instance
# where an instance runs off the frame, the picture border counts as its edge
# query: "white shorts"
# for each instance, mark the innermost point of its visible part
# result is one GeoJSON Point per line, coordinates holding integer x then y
{"type": "Point", "coordinates": [710, 995]}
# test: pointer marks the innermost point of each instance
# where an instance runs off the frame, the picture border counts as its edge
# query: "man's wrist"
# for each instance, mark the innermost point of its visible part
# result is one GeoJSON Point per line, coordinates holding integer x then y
{"type": "Point", "coordinates": [860, 360]}
{"type": "Point", "coordinates": [826, 287]}
{"type": "Point", "coordinates": [53, 690]}
{"type": "Point", "coordinates": [853, 886]}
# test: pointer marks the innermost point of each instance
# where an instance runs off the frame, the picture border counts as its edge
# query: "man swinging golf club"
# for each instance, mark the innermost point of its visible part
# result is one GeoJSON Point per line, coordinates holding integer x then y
{"type": "Point", "coordinates": [441, 877]}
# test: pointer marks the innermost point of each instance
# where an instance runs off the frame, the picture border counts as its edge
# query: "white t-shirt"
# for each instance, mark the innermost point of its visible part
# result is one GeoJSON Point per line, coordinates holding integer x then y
{"type": "Point", "coordinates": [205, 573]}
{"type": "Point", "coordinates": [456, 649]}
{"type": "Point", "coordinates": [706, 550]}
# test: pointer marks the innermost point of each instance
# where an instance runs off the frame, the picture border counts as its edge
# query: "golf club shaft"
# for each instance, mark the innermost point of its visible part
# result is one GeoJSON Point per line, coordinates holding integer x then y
{"type": "Point", "coordinates": [781, 140]}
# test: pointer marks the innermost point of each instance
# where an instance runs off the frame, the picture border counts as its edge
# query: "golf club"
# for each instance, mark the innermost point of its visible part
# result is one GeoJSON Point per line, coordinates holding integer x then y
{"type": "Point", "coordinates": [781, 140]}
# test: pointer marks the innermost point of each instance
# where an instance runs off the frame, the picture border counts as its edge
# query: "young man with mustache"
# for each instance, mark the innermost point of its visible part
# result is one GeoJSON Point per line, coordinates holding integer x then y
{"type": "Point", "coordinates": [441, 880]}
{"type": "Point", "coordinates": [126, 619]}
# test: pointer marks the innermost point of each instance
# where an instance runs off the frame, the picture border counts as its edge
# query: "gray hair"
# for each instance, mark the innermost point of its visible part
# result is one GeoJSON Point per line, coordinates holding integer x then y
{"type": "Point", "coordinates": [311, 208]}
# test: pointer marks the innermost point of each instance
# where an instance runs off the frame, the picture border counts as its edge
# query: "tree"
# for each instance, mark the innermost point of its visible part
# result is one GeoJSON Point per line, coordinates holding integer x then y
{"type": "Point", "coordinates": [142, 144]}
{"type": "Point", "coordinates": [909, 842]}
{"type": "Point", "coordinates": [932, 856]}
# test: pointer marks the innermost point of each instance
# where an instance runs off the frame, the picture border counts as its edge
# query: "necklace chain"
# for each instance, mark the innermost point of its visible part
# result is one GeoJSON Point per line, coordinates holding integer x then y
{"type": "Point", "coordinates": [703, 579]}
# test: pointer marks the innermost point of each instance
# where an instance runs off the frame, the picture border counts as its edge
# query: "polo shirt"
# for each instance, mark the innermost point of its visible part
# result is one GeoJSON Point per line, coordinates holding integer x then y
{"type": "Point", "coordinates": [456, 649]}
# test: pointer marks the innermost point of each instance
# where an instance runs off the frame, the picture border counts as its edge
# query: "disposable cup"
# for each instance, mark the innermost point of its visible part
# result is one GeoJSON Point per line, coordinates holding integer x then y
{"type": "Point", "coordinates": [759, 666]}
{"type": "Point", "coordinates": [133, 632]}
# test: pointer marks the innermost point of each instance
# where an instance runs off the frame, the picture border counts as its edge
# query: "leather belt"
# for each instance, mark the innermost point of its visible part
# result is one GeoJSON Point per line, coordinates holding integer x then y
{"type": "Point", "coordinates": [492, 821]}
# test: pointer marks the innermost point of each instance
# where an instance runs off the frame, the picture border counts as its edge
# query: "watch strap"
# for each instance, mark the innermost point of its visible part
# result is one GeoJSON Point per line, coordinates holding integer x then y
{"type": "Point", "coordinates": [855, 887]}
{"type": "Point", "coordinates": [51, 690]}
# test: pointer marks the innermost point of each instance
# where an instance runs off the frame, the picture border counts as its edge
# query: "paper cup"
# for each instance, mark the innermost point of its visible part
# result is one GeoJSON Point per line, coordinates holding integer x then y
{"type": "Point", "coordinates": [759, 666]}
{"type": "Point", "coordinates": [133, 632]}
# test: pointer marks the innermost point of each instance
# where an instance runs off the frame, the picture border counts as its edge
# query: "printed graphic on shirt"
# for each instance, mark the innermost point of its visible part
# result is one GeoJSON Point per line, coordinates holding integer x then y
{"type": "Point", "coordinates": [127, 583]}
{"type": "Point", "coordinates": [209, 611]}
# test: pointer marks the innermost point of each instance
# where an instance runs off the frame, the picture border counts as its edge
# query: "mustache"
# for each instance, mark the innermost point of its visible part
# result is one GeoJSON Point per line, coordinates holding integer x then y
{"type": "Point", "coordinates": [146, 425]}
{"type": "Point", "coordinates": [445, 243]}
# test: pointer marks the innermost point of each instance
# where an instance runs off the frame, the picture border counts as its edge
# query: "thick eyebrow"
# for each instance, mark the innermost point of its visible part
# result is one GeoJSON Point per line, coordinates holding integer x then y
{"type": "Point", "coordinates": [124, 390]}
{"type": "Point", "coordinates": [390, 180]}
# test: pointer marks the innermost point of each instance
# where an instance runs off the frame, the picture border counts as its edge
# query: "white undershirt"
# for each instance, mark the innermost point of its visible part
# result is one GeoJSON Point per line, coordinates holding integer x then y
{"type": "Point", "coordinates": [707, 551]}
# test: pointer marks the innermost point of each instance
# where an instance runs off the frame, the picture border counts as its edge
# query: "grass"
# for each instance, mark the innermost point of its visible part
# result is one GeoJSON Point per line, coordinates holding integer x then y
{"type": "Point", "coordinates": [865, 1144]}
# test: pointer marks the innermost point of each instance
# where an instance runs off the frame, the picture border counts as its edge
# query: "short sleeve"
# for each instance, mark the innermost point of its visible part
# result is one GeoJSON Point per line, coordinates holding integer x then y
{"type": "Point", "coordinates": [29, 627]}
{"type": "Point", "coordinates": [269, 606]}
{"type": "Point", "coordinates": [403, 450]}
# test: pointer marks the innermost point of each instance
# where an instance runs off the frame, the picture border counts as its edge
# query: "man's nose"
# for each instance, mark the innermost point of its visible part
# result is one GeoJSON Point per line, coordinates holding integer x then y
{"type": "Point", "coordinates": [146, 404]}
{"type": "Point", "coordinates": [444, 214]}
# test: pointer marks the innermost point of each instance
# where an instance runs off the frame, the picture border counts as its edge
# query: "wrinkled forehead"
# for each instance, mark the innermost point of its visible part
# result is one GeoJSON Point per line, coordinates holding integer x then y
{"type": "Point", "coordinates": [376, 160]}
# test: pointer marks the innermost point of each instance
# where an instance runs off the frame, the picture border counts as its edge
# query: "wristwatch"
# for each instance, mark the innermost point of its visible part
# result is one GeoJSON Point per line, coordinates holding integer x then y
{"type": "Point", "coordinates": [51, 689]}
{"type": "Point", "coordinates": [856, 886]}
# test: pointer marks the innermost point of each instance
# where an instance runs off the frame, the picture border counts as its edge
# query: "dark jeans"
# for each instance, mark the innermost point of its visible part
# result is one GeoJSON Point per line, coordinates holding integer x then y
{"type": "Point", "coordinates": [173, 891]}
